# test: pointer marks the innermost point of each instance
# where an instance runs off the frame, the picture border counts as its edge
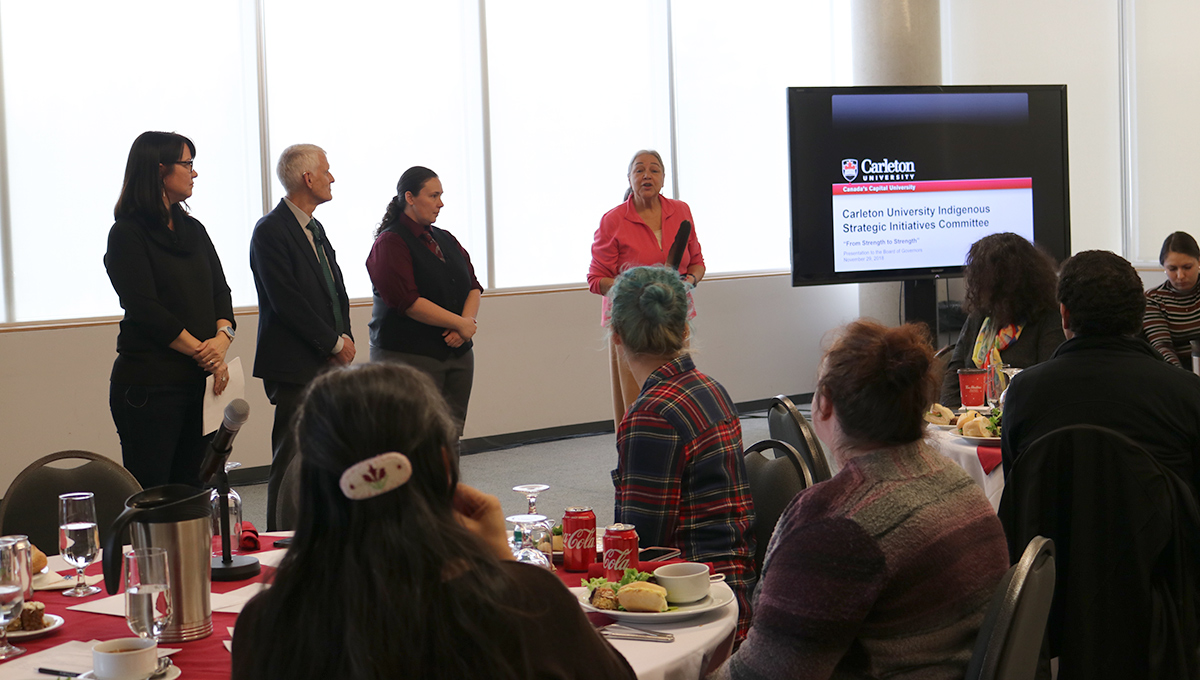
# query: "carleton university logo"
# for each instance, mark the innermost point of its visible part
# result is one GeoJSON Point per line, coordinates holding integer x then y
{"type": "Point", "coordinates": [850, 169]}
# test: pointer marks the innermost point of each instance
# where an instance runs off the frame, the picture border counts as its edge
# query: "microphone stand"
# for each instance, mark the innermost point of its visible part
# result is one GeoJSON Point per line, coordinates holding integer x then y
{"type": "Point", "coordinates": [230, 567]}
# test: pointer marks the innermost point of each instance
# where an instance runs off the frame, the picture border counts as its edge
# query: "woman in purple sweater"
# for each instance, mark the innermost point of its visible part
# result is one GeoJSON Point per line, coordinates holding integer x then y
{"type": "Point", "coordinates": [886, 569]}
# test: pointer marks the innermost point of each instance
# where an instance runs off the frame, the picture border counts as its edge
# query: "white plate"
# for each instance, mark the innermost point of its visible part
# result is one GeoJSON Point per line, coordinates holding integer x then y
{"type": "Point", "coordinates": [982, 441]}
{"type": "Point", "coordinates": [55, 623]}
{"type": "Point", "coordinates": [719, 596]}
{"type": "Point", "coordinates": [941, 427]}
{"type": "Point", "coordinates": [172, 673]}
{"type": "Point", "coordinates": [981, 410]}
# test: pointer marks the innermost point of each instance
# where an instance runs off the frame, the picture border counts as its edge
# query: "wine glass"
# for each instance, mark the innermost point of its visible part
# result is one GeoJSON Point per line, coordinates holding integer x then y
{"type": "Point", "coordinates": [78, 537]}
{"type": "Point", "coordinates": [544, 532]}
{"type": "Point", "coordinates": [528, 552]}
{"type": "Point", "coordinates": [12, 593]}
{"type": "Point", "coordinates": [147, 595]}
{"type": "Point", "coordinates": [531, 492]}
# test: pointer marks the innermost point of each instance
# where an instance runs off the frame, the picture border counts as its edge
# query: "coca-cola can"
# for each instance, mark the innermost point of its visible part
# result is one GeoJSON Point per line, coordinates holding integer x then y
{"type": "Point", "coordinates": [620, 550]}
{"type": "Point", "coordinates": [579, 538]}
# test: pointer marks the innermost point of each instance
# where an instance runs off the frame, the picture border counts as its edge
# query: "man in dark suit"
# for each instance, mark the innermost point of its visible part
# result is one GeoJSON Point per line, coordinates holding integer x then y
{"type": "Point", "coordinates": [304, 312]}
{"type": "Point", "coordinates": [1105, 374]}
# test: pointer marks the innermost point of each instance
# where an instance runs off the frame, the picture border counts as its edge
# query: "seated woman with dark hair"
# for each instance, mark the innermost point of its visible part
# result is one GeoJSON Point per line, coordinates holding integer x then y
{"type": "Point", "coordinates": [886, 569]}
{"type": "Point", "coordinates": [1013, 316]}
{"type": "Point", "coordinates": [1172, 318]}
{"type": "Point", "coordinates": [396, 569]}
{"type": "Point", "coordinates": [680, 479]}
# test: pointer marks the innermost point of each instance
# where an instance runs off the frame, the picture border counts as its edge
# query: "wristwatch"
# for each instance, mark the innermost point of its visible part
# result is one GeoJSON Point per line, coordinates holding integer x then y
{"type": "Point", "coordinates": [228, 330]}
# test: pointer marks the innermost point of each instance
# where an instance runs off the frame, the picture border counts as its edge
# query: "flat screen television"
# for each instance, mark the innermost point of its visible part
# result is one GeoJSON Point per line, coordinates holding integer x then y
{"type": "Point", "coordinates": [896, 183]}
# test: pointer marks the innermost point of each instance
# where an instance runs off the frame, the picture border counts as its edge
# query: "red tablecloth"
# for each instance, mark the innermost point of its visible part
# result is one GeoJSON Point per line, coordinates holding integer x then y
{"type": "Point", "coordinates": [203, 659]}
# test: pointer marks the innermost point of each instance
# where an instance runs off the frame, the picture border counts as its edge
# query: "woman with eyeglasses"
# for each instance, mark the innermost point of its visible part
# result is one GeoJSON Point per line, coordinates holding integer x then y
{"type": "Point", "coordinates": [178, 320]}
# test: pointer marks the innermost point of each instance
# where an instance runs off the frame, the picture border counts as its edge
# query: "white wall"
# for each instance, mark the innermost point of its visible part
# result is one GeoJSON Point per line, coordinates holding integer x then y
{"type": "Point", "coordinates": [541, 361]}
{"type": "Point", "coordinates": [1038, 42]}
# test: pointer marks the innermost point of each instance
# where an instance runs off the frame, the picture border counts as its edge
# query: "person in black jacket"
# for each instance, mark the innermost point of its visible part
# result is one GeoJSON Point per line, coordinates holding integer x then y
{"type": "Point", "coordinates": [1105, 374]}
{"type": "Point", "coordinates": [425, 292]}
{"type": "Point", "coordinates": [178, 320]}
{"type": "Point", "coordinates": [304, 312]}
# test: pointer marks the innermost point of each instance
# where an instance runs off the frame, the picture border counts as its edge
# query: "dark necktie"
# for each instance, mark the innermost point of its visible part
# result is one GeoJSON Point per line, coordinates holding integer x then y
{"type": "Point", "coordinates": [433, 246]}
{"type": "Point", "coordinates": [318, 234]}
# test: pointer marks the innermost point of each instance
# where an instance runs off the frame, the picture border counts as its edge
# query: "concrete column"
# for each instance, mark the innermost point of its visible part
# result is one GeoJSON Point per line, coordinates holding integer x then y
{"type": "Point", "coordinates": [893, 42]}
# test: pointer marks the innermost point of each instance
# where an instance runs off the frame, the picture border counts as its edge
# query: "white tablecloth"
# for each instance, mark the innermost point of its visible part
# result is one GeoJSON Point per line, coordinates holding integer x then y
{"type": "Point", "coordinates": [685, 658]}
{"type": "Point", "coordinates": [964, 454]}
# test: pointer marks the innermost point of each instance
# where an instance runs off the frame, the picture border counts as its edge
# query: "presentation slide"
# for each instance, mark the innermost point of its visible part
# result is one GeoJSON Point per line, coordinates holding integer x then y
{"type": "Point", "coordinates": [911, 224]}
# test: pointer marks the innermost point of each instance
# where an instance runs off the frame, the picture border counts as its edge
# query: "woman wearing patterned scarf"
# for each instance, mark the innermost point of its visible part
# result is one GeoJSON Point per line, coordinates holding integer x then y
{"type": "Point", "coordinates": [1013, 318]}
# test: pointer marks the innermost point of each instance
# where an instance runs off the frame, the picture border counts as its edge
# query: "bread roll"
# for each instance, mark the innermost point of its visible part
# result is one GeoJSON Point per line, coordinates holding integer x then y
{"type": "Point", "coordinates": [939, 415]}
{"type": "Point", "coordinates": [977, 428]}
{"type": "Point", "coordinates": [38, 559]}
{"type": "Point", "coordinates": [641, 596]}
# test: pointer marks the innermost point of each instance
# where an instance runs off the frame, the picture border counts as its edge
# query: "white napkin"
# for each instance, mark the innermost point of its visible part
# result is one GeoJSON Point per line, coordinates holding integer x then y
{"type": "Point", "coordinates": [233, 601]}
{"type": "Point", "coordinates": [53, 580]}
{"type": "Point", "coordinates": [113, 606]}
{"type": "Point", "coordinates": [270, 558]}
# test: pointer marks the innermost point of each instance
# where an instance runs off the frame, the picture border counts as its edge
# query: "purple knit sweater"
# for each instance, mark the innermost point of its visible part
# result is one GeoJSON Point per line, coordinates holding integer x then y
{"type": "Point", "coordinates": [885, 570]}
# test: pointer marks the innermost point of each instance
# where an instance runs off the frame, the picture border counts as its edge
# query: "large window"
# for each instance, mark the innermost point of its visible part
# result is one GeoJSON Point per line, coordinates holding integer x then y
{"type": "Point", "coordinates": [575, 90]}
{"type": "Point", "coordinates": [732, 71]}
{"type": "Point", "coordinates": [528, 111]}
{"type": "Point", "coordinates": [81, 81]}
{"type": "Point", "coordinates": [381, 87]}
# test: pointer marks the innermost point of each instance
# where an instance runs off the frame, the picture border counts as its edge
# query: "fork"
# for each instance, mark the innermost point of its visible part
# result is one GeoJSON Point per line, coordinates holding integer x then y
{"type": "Point", "coordinates": [623, 632]}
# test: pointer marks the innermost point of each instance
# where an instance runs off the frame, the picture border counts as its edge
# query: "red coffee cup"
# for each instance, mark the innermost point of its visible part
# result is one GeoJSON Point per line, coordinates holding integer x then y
{"type": "Point", "coordinates": [972, 386]}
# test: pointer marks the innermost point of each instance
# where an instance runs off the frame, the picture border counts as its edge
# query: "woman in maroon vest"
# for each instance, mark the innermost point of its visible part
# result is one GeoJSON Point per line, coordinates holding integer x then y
{"type": "Point", "coordinates": [425, 291]}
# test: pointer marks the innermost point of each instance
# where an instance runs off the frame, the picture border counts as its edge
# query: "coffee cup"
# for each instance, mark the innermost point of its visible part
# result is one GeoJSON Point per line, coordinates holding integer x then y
{"type": "Point", "coordinates": [124, 659]}
{"type": "Point", "coordinates": [972, 386]}
{"type": "Point", "coordinates": [685, 581]}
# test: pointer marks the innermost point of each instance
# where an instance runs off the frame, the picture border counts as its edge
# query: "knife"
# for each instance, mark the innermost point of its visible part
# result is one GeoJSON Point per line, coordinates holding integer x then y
{"type": "Point", "coordinates": [630, 633]}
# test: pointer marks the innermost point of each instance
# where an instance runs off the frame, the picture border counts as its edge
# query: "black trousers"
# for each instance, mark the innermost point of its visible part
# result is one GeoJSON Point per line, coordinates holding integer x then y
{"type": "Point", "coordinates": [159, 427]}
{"type": "Point", "coordinates": [286, 398]}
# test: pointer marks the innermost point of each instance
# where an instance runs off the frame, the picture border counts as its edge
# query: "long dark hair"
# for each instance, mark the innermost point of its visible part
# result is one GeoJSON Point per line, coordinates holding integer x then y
{"type": "Point", "coordinates": [1009, 279]}
{"type": "Point", "coordinates": [142, 189]}
{"type": "Point", "coordinates": [391, 586]}
{"type": "Point", "coordinates": [1178, 242]}
{"type": "Point", "coordinates": [413, 180]}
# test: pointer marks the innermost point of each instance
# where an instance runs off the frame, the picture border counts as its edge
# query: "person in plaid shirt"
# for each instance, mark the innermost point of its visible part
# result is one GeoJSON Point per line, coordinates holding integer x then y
{"type": "Point", "coordinates": [680, 478]}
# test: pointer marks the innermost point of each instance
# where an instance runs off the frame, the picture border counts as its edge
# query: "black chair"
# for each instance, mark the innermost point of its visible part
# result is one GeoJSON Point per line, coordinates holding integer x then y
{"type": "Point", "coordinates": [786, 423]}
{"type": "Point", "coordinates": [1010, 641]}
{"type": "Point", "coordinates": [1126, 531]}
{"type": "Point", "coordinates": [30, 506]}
{"type": "Point", "coordinates": [774, 481]}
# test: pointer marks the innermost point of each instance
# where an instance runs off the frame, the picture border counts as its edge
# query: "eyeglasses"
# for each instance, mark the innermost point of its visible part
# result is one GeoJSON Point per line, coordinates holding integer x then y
{"type": "Point", "coordinates": [186, 164]}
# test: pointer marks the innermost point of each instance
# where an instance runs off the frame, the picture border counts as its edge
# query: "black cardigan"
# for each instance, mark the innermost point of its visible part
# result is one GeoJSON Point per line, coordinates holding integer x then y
{"type": "Point", "coordinates": [168, 282]}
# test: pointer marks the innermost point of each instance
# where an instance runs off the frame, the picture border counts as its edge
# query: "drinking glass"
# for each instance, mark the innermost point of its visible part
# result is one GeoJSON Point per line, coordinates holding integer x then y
{"type": "Point", "coordinates": [12, 593]}
{"type": "Point", "coordinates": [545, 530]}
{"type": "Point", "coordinates": [147, 596]}
{"type": "Point", "coordinates": [235, 517]}
{"type": "Point", "coordinates": [78, 537]}
{"type": "Point", "coordinates": [528, 552]}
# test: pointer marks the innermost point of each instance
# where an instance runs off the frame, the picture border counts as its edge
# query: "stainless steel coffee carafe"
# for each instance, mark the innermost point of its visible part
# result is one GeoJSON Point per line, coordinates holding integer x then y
{"type": "Point", "coordinates": [178, 519]}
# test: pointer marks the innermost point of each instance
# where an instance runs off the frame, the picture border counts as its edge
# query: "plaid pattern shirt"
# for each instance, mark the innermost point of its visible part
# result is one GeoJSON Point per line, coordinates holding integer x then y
{"type": "Point", "coordinates": [680, 478]}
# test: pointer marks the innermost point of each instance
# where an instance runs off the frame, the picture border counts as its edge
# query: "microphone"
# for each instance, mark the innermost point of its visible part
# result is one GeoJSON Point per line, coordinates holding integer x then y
{"type": "Point", "coordinates": [236, 414]}
{"type": "Point", "coordinates": [675, 255]}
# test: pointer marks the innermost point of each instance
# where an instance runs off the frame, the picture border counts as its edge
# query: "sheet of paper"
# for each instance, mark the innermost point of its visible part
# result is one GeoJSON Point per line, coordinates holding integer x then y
{"type": "Point", "coordinates": [74, 656]}
{"type": "Point", "coordinates": [214, 406]}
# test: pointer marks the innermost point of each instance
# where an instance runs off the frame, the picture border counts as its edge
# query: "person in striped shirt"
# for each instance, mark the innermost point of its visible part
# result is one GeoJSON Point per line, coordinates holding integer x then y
{"type": "Point", "coordinates": [1172, 318]}
{"type": "Point", "coordinates": [680, 479]}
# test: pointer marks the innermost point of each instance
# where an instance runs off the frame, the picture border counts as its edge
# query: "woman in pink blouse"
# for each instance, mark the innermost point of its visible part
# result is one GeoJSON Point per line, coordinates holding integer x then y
{"type": "Point", "coordinates": [639, 232]}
